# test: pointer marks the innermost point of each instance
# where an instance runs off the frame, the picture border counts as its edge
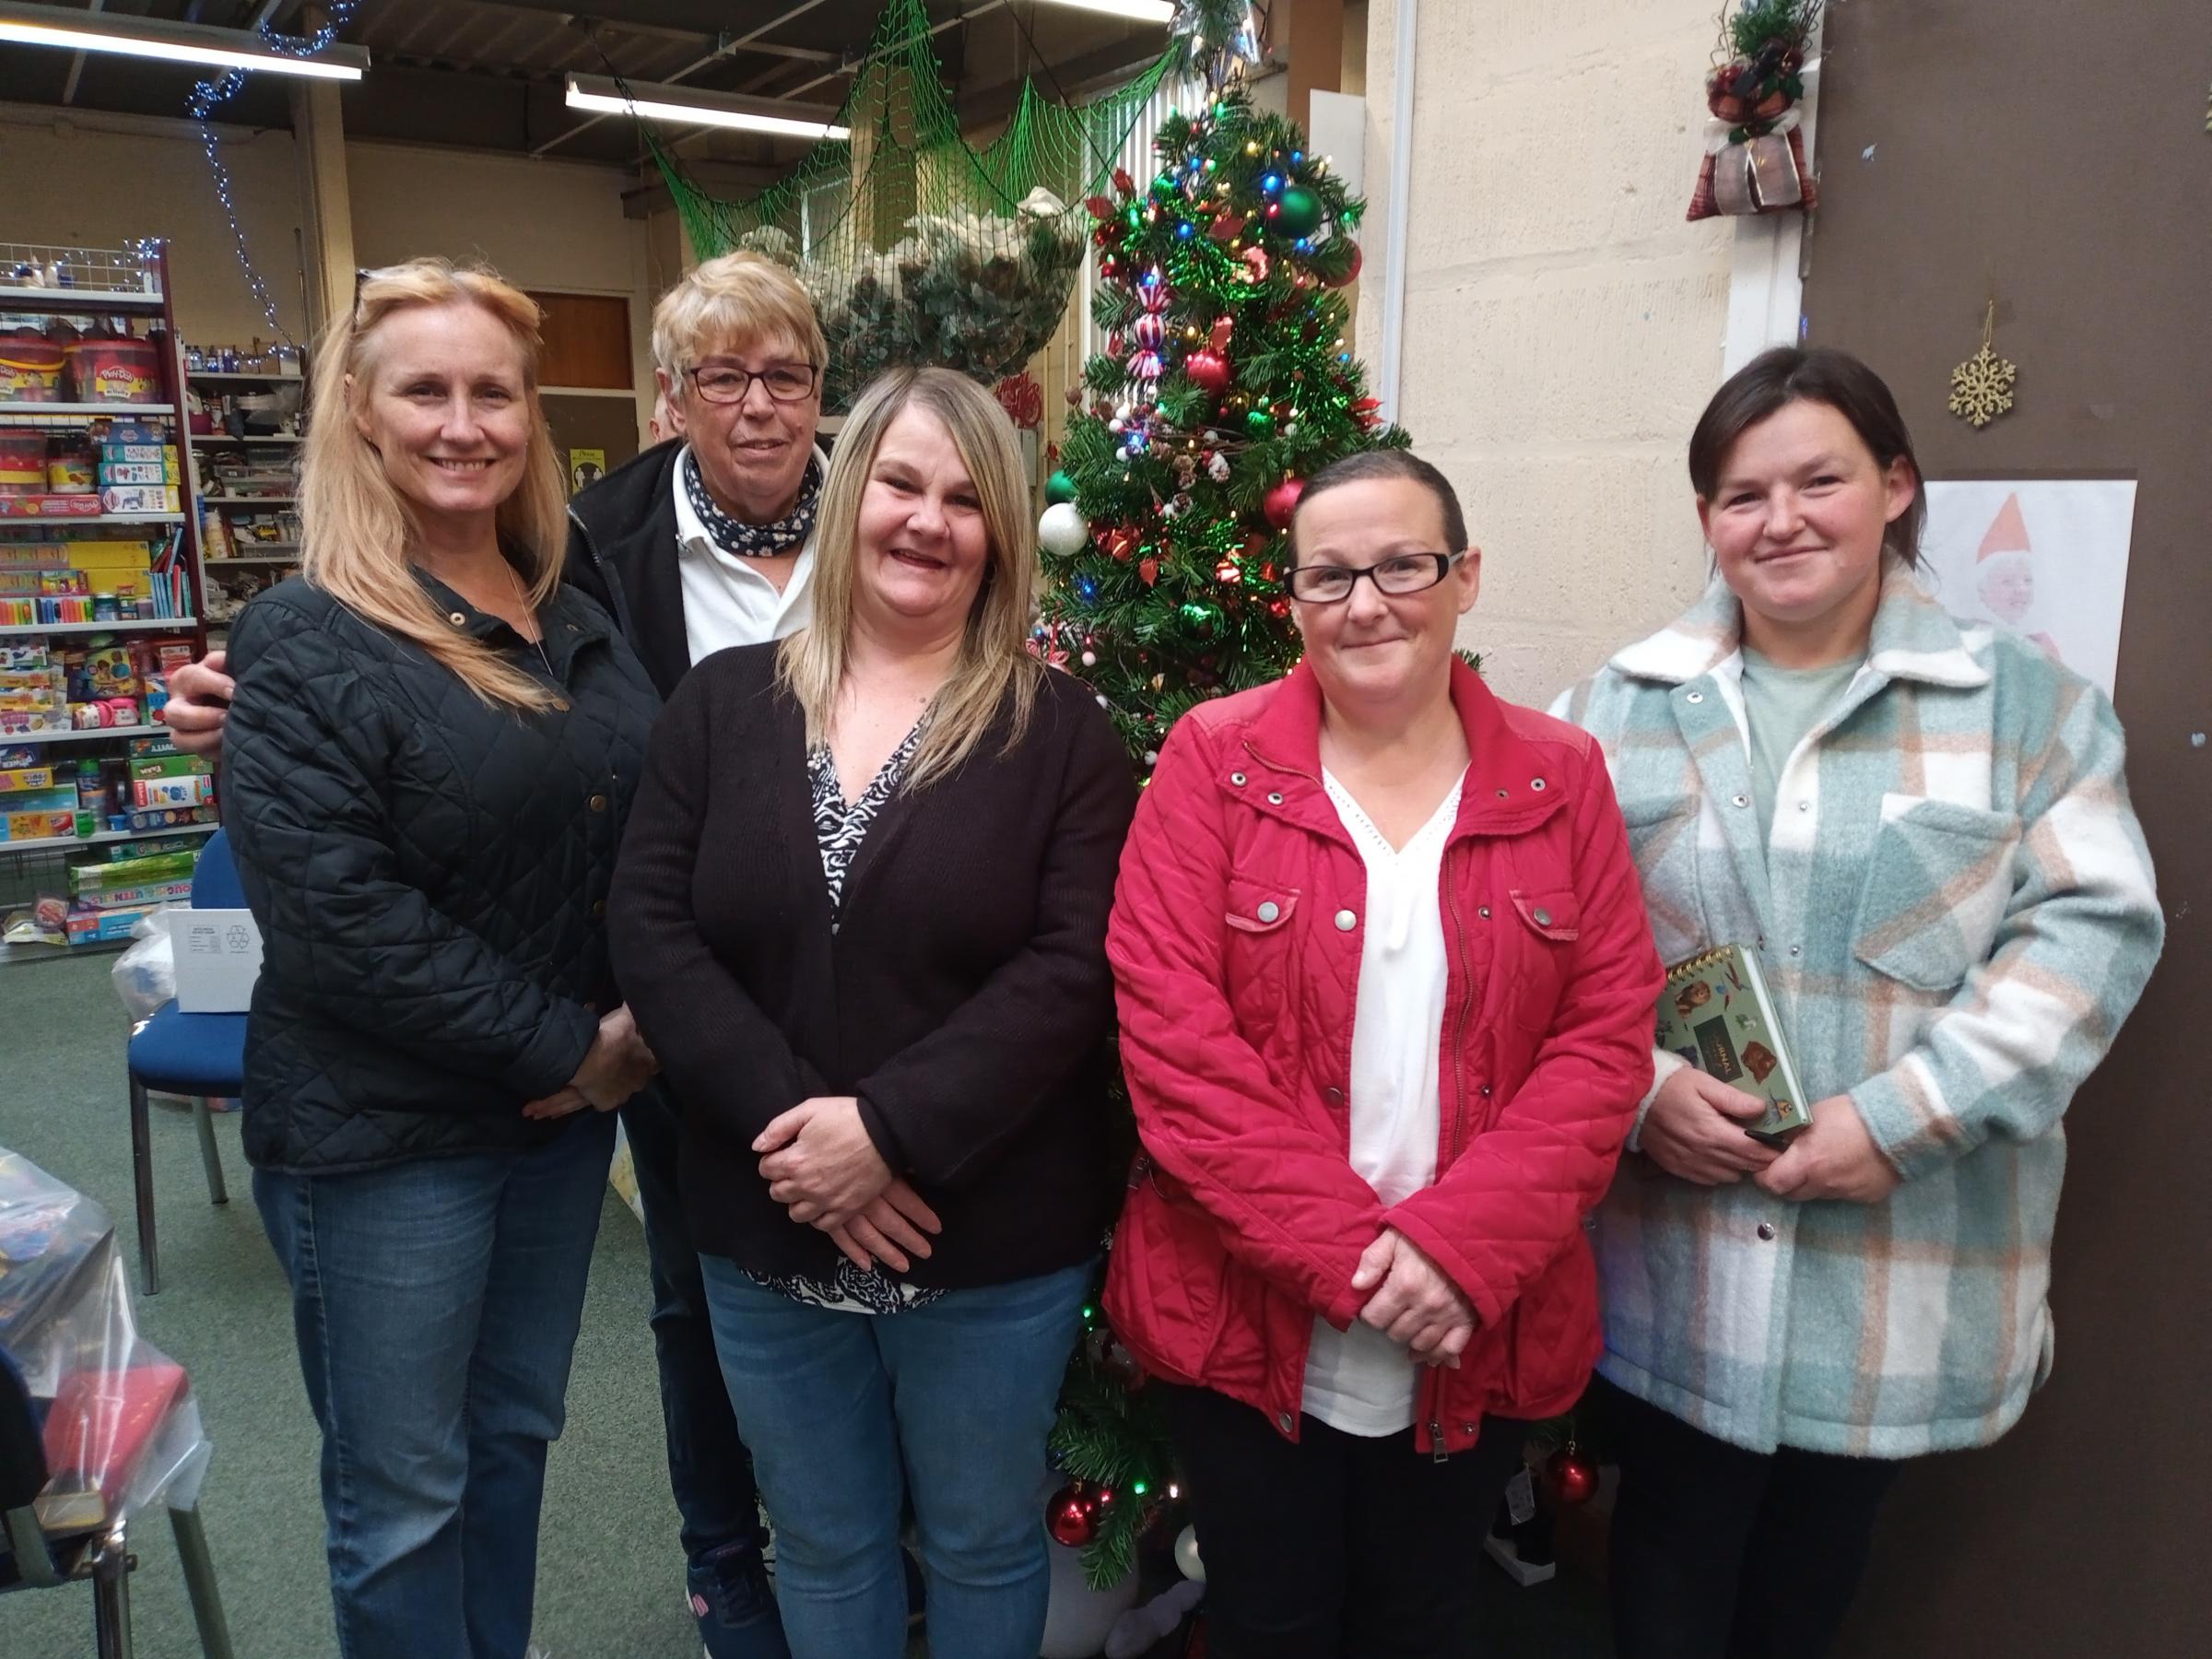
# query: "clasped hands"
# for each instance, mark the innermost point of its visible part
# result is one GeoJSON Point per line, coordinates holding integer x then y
{"type": "Point", "coordinates": [615, 1067]}
{"type": "Point", "coordinates": [820, 1163]}
{"type": "Point", "coordinates": [1414, 1303]}
{"type": "Point", "coordinates": [1695, 1130]}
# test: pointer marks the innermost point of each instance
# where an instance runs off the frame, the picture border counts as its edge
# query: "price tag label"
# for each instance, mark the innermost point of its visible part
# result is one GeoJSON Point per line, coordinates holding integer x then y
{"type": "Point", "coordinates": [1520, 1498]}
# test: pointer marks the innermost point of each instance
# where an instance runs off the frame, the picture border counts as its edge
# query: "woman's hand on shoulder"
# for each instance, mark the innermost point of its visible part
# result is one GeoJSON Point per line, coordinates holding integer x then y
{"type": "Point", "coordinates": [1695, 1130]}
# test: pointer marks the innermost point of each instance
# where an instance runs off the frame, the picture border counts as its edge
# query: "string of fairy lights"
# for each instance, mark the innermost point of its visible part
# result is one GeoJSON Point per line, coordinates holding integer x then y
{"type": "Point", "coordinates": [207, 96]}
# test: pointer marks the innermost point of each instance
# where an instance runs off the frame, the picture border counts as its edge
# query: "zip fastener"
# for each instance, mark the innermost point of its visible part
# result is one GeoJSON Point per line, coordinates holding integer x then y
{"type": "Point", "coordinates": [1434, 1384]}
{"type": "Point", "coordinates": [1459, 1037]}
{"type": "Point", "coordinates": [607, 575]}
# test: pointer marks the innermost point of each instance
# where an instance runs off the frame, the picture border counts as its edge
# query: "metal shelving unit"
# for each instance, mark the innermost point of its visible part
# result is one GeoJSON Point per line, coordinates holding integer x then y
{"type": "Point", "coordinates": [138, 302]}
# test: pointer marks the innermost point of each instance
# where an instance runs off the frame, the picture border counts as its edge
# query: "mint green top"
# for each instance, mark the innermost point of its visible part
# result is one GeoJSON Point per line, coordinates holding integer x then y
{"type": "Point", "coordinates": [1780, 706]}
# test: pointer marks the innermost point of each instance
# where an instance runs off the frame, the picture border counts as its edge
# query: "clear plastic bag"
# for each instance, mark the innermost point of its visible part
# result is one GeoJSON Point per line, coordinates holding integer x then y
{"type": "Point", "coordinates": [122, 1429]}
{"type": "Point", "coordinates": [145, 975]}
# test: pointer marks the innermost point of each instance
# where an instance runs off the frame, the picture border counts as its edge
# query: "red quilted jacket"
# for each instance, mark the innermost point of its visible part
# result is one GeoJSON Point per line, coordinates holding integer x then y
{"type": "Point", "coordinates": [1235, 945]}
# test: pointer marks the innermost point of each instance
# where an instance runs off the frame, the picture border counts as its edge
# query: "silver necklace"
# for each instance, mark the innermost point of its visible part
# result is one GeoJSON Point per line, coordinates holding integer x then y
{"type": "Point", "coordinates": [537, 639]}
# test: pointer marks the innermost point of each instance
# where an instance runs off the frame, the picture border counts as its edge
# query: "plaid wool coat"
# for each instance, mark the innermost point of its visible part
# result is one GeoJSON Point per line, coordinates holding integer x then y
{"type": "Point", "coordinates": [1955, 909]}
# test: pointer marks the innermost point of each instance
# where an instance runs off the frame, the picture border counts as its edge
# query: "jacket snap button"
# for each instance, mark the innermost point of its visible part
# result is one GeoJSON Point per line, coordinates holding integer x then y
{"type": "Point", "coordinates": [1484, 912]}
{"type": "Point", "coordinates": [1695, 697]}
{"type": "Point", "coordinates": [1766, 1231]}
{"type": "Point", "coordinates": [1274, 797]}
{"type": "Point", "coordinates": [1238, 779]}
{"type": "Point", "coordinates": [1486, 1091]}
{"type": "Point", "coordinates": [1269, 910]}
{"type": "Point", "coordinates": [597, 803]}
{"type": "Point", "coordinates": [1468, 1429]}
{"type": "Point", "coordinates": [1805, 806]}
{"type": "Point", "coordinates": [1536, 783]}
{"type": "Point", "coordinates": [590, 1008]}
{"type": "Point", "coordinates": [1743, 800]}
{"type": "Point", "coordinates": [1282, 1421]}
{"type": "Point", "coordinates": [573, 628]}
{"type": "Point", "coordinates": [1543, 918]}
{"type": "Point", "coordinates": [1797, 950]}
{"type": "Point", "coordinates": [1346, 921]}
{"type": "Point", "coordinates": [598, 907]}
{"type": "Point", "coordinates": [1501, 794]}
{"type": "Point", "coordinates": [457, 618]}
{"type": "Point", "coordinates": [1334, 1096]}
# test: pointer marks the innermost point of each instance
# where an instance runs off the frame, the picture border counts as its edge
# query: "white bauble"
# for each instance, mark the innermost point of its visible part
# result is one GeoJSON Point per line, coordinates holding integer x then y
{"type": "Point", "coordinates": [1061, 529]}
{"type": "Point", "coordinates": [1187, 1554]}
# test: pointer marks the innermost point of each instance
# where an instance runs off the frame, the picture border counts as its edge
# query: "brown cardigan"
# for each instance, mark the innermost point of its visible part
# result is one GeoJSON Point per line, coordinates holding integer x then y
{"type": "Point", "coordinates": [963, 996]}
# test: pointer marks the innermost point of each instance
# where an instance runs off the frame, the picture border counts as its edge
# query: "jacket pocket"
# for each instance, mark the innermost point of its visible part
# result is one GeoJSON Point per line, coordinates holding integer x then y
{"type": "Point", "coordinates": [1551, 921]}
{"type": "Point", "coordinates": [1171, 1269]}
{"type": "Point", "coordinates": [1258, 951]}
{"type": "Point", "coordinates": [1662, 839]}
{"type": "Point", "coordinates": [1935, 891]}
{"type": "Point", "coordinates": [1259, 907]}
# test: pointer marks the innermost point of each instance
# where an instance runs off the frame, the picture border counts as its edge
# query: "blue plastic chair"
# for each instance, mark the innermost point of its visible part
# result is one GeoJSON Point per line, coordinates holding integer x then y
{"type": "Point", "coordinates": [196, 1055]}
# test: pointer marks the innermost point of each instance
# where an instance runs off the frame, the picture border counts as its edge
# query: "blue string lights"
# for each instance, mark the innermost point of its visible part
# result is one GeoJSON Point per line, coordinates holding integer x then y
{"type": "Point", "coordinates": [209, 95]}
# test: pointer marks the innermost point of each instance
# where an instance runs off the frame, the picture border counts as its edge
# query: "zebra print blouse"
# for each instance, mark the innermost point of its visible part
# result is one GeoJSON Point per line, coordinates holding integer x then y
{"type": "Point", "coordinates": [839, 828]}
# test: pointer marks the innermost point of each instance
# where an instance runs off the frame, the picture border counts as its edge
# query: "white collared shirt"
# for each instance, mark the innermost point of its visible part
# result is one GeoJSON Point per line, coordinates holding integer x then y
{"type": "Point", "coordinates": [727, 600]}
{"type": "Point", "coordinates": [1359, 1380]}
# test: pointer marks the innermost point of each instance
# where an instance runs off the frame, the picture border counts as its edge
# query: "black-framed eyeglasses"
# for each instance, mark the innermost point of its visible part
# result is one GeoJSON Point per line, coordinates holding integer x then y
{"type": "Point", "coordinates": [1399, 574]}
{"type": "Point", "coordinates": [726, 383]}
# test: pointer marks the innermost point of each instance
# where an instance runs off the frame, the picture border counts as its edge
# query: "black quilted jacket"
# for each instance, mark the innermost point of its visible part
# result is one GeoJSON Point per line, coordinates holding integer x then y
{"type": "Point", "coordinates": [430, 875]}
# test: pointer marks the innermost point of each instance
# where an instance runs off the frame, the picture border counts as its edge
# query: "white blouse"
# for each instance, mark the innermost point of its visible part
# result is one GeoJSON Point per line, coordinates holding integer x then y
{"type": "Point", "coordinates": [1359, 1380]}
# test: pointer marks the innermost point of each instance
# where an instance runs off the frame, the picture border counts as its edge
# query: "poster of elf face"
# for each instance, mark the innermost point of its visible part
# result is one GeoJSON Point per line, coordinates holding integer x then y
{"type": "Point", "coordinates": [2046, 557]}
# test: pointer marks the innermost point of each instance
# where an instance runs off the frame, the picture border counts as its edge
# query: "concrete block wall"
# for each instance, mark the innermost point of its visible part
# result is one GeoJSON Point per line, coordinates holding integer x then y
{"type": "Point", "coordinates": [1563, 321]}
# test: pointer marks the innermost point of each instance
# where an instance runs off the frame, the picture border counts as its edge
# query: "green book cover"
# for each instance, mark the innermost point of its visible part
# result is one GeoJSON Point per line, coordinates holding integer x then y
{"type": "Point", "coordinates": [1715, 1012]}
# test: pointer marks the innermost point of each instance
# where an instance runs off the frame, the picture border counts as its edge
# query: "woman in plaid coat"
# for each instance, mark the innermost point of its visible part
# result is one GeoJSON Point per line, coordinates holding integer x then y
{"type": "Point", "coordinates": [1921, 828]}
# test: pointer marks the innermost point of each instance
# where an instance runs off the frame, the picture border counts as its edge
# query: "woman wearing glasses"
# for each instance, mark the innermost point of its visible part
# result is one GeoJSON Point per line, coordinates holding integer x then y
{"type": "Point", "coordinates": [1385, 988]}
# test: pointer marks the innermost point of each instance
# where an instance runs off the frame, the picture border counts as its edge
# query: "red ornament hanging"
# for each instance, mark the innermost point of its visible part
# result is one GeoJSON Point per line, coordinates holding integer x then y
{"type": "Point", "coordinates": [1208, 369]}
{"type": "Point", "coordinates": [1256, 264]}
{"type": "Point", "coordinates": [1120, 544]}
{"type": "Point", "coordinates": [1100, 207]}
{"type": "Point", "coordinates": [1352, 273]}
{"type": "Point", "coordinates": [1281, 501]}
{"type": "Point", "coordinates": [1149, 570]}
{"type": "Point", "coordinates": [1572, 1474]}
{"type": "Point", "coordinates": [1124, 182]}
{"type": "Point", "coordinates": [1070, 1517]}
{"type": "Point", "coordinates": [1227, 226]}
{"type": "Point", "coordinates": [1224, 327]}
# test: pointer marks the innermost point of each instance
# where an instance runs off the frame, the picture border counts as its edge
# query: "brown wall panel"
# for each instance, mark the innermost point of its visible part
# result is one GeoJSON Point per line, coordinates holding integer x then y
{"type": "Point", "coordinates": [587, 340]}
{"type": "Point", "coordinates": [2056, 152]}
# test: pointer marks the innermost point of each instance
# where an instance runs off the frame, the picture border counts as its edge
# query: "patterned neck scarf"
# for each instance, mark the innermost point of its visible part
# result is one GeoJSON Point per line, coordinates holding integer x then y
{"type": "Point", "coordinates": [741, 540]}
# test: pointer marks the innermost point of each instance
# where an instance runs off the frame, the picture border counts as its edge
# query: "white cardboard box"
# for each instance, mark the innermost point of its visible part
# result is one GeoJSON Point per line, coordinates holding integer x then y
{"type": "Point", "coordinates": [218, 954]}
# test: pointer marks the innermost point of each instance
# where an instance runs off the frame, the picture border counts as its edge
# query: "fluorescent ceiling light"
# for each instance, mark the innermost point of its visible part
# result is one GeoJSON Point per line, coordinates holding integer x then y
{"type": "Point", "coordinates": [1136, 11]}
{"type": "Point", "coordinates": [605, 96]}
{"type": "Point", "coordinates": [173, 43]}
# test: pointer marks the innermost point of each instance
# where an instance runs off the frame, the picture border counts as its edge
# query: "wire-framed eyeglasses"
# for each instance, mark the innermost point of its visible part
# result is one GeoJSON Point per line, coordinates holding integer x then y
{"type": "Point", "coordinates": [728, 383]}
{"type": "Point", "coordinates": [1398, 575]}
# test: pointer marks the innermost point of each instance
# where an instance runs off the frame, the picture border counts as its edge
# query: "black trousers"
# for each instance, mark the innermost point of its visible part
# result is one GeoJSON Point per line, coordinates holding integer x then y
{"type": "Point", "coordinates": [710, 1472]}
{"type": "Point", "coordinates": [1721, 1553]}
{"type": "Point", "coordinates": [1338, 1547]}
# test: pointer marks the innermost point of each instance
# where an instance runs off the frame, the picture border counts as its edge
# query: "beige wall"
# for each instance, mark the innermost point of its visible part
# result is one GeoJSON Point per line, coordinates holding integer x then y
{"type": "Point", "coordinates": [96, 179]}
{"type": "Point", "coordinates": [1563, 323]}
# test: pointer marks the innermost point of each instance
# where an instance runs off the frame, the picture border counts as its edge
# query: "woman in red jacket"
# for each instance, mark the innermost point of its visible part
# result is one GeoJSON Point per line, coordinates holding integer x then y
{"type": "Point", "coordinates": [1386, 992]}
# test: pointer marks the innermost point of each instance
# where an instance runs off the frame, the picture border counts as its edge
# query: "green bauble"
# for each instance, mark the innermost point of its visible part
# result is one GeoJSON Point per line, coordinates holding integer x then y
{"type": "Point", "coordinates": [1059, 487]}
{"type": "Point", "coordinates": [1301, 211]}
{"type": "Point", "coordinates": [1260, 423]}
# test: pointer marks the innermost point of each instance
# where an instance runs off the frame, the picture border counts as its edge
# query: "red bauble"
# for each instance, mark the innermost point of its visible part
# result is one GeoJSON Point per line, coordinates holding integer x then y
{"type": "Point", "coordinates": [1120, 544]}
{"type": "Point", "coordinates": [1100, 207]}
{"type": "Point", "coordinates": [1070, 1518]}
{"type": "Point", "coordinates": [1224, 327]}
{"type": "Point", "coordinates": [1149, 570]}
{"type": "Point", "coordinates": [1573, 1475]}
{"type": "Point", "coordinates": [1123, 182]}
{"type": "Point", "coordinates": [1351, 275]}
{"type": "Point", "coordinates": [1281, 501]}
{"type": "Point", "coordinates": [1208, 369]}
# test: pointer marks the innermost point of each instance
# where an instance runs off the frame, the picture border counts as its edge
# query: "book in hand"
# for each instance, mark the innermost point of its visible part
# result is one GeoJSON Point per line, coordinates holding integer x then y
{"type": "Point", "coordinates": [1715, 1012]}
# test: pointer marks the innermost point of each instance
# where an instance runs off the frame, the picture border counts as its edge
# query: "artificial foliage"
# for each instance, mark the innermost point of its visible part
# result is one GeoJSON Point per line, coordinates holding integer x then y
{"type": "Point", "coordinates": [1227, 378]}
{"type": "Point", "coordinates": [1112, 1444]}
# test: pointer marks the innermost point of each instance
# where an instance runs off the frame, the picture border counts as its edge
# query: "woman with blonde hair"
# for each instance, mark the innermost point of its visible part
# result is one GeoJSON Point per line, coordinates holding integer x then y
{"type": "Point", "coordinates": [429, 758]}
{"type": "Point", "coordinates": [862, 915]}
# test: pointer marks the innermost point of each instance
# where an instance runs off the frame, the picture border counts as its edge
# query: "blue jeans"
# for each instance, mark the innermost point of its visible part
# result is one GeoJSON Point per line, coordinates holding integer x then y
{"type": "Point", "coordinates": [850, 1414]}
{"type": "Point", "coordinates": [436, 1304]}
{"type": "Point", "coordinates": [710, 1472]}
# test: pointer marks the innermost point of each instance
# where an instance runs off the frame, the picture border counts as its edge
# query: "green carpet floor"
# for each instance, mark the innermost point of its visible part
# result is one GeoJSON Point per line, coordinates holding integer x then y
{"type": "Point", "coordinates": [609, 1577]}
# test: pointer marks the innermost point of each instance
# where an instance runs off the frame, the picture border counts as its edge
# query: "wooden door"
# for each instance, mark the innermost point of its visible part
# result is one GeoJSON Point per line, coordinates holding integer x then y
{"type": "Point", "coordinates": [2057, 152]}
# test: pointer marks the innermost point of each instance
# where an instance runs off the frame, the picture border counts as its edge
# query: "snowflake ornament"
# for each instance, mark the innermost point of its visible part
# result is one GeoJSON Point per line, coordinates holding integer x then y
{"type": "Point", "coordinates": [1981, 386]}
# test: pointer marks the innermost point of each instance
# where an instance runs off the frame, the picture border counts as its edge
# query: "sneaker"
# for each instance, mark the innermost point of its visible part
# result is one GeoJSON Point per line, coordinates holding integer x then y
{"type": "Point", "coordinates": [736, 1607]}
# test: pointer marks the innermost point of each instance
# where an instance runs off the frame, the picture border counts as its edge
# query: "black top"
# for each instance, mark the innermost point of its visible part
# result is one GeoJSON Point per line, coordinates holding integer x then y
{"type": "Point", "coordinates": [962, 994]}
{"type": "Point", "coordinates": [622, 553]}
{"type": "Point", "coordinates": [430, 873]}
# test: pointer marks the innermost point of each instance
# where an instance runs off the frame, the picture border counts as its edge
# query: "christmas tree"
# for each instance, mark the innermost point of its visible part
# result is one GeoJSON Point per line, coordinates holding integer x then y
{"type": "Point", "coordinates": [1227, 380]}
